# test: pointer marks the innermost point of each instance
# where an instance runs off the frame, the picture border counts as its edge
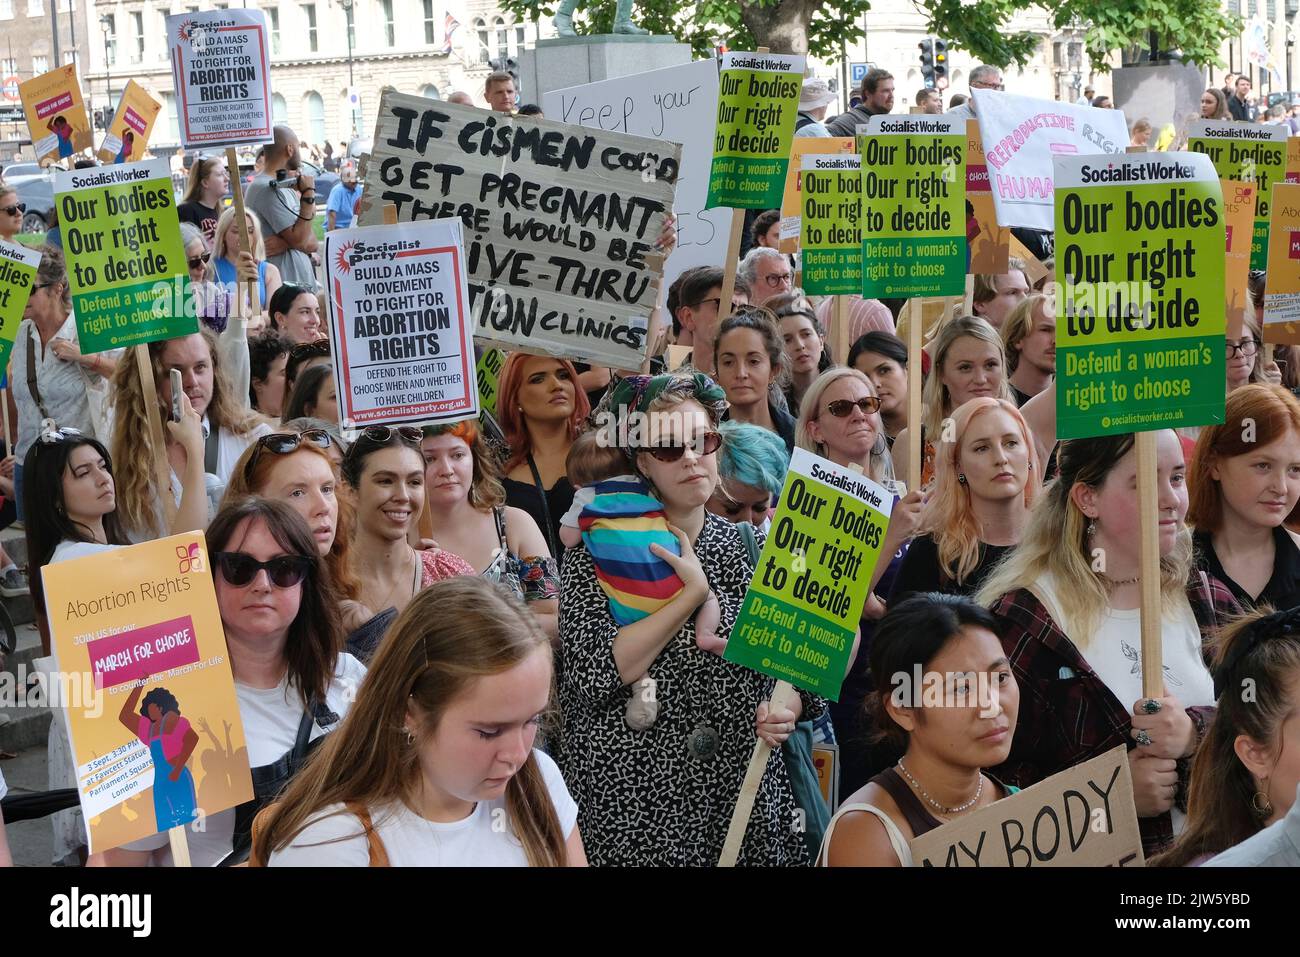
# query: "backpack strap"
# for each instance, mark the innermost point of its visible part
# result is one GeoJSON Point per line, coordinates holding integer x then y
{"type": "Point", "coordinates": [747, 536]}
{"type": "Point", "coordinates": [378, 853]}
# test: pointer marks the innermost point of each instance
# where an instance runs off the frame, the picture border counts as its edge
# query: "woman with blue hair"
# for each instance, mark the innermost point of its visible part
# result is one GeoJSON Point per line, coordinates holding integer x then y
{"type": "Point", "coordinates": [751, 470]}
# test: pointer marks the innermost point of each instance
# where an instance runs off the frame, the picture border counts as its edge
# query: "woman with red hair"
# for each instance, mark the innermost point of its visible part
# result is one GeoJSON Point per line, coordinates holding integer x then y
{"type": "Point", "coordinates": [1244, 485]}
{"type": "Point", "coordinates": [541, 411]}
{"type": "Point", "coordinates": [470, 517]}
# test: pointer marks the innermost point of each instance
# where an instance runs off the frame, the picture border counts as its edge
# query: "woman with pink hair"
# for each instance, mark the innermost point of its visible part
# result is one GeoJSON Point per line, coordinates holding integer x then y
{"type": "Point", "coordinates": [985, 480]}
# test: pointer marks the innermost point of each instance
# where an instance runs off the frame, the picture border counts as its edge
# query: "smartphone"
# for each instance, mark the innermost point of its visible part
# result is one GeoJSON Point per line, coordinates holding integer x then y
{"type": "Point", "coordinates": [177, 392]}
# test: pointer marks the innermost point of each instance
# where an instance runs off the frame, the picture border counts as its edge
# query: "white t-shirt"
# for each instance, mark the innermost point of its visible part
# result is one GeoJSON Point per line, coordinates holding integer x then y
{"type": "Point", "coordinates": [1114, 651]}
{"type": "Point", "coordinates": [68, 549]}
{"type": "Point", "coordinates": [335, 837]}
{"type": "Point", "coordinates": [270, 718]}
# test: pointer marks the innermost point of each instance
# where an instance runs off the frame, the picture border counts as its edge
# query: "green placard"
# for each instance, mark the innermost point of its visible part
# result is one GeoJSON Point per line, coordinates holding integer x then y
{"type": "Point", "coordinates": [1249, 152]}
{"type": "Point", "coordinates": [830, 206]}
{"type": "Point", "coordinates": [1140, 317]}
{"type": "Point", "coordinates": [17, 278]}
{"type": "Point", "coordinates": [489, 379]}
{"type": "Point", "coordinates": [913, 207]}
{"type": "Point", "coordinates": [126, 262]}
{"type": "Point", "coordinates": [758, 99]}
{"type": "Point", "coordinates": [798, 618]}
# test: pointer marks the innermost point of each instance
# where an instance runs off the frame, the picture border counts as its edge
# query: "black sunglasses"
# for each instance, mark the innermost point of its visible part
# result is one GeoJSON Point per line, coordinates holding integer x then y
{"type": "Point", "coordinates": [285, 571]}
{"type": "Point", "coordinates": [841, 408]}
{"type": "Point", "coordinates": [309, 350]}
{"type": "Point", "coordinates": [196, 261]}
{"type": "Point", "coordinates": [15, 209]}
{"type": "Point", "coordinates": [706, 444]}
{"type": "Point", "coordinates": [284, 443]}
{"type": "Point", "coordinates": [384, 433]}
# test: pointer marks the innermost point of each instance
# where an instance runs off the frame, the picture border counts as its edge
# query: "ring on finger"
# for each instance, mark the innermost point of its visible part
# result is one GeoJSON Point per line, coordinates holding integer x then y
{"type": "Point", "coordinates": [1143, 738]}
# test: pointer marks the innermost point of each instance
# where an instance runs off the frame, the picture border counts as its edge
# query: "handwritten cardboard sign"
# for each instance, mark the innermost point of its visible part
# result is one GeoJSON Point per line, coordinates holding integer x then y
{"type": "Point", "coordinates": [561, 222]}
{"type": "Point", "coordinates": [1082, 817]}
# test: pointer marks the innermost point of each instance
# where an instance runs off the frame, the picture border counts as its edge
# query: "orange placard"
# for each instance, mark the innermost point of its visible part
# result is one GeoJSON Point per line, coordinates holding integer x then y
{"type": "Point", "coordinates": [1282, 283]}
{"type": "Point", "coordinates": [990, 244]}
{"type": "Point", "coordinates": [1239, 223]}
{"type": "Point", "coordinates": [128, 134]}
{"type": "Point", "coordinates": [791, 221]}
{"type": "Point", "coordinates": [56, 114]}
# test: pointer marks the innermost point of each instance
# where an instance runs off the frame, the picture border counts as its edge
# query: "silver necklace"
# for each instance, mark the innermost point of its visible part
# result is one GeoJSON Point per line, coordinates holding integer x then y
{"type": "Point", "coordinates": [935, 804]}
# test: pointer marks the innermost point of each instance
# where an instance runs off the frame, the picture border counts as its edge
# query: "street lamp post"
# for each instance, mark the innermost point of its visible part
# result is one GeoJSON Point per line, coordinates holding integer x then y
{"type": "Point", "coordinates": [108, 76]}
{"type": "Point", "coordinates": [347, 13]}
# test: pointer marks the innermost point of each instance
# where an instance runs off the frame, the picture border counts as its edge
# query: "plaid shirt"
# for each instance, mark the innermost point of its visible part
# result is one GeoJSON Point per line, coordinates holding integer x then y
{"type": "Point", "coordinates": [1067, 713]}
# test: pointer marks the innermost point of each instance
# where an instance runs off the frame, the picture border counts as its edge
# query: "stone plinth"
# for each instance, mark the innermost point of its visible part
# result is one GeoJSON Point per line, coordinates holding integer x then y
{"type": "Point", "coordinates": [572, 61]}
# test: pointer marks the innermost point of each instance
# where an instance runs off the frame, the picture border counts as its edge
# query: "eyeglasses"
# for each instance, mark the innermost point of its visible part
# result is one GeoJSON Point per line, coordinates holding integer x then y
{"type": "Point", "coordinates": [285, 571]}
{"type": "Point", "coordinates": [285, 443]}
{"type": "Point", "coordinates": [1247, 347]}
{"type": "Point", "coordinates": [843, 407]}
{"type": "Point", "coordinates": [985, 85]}
{"type": "Point", "coordinates": [196, 261]}
{"type": "Point", "coordinates": [384, 433]}
{"type": "Point", "coordinates": [777, 280]}
{"type": "Point", "coordinates": [15, 209]}
{"type": "Point", "coordinates": [716, 300]}
{"type": "Point", "coordinates": [43, 285]}
{"type": "Point", "coordinates": [706, 444]}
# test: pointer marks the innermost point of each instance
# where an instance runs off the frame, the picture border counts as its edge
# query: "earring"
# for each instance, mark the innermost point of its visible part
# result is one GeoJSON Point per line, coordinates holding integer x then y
{"type": "Point", "coordinates": [961, 479]}
{"type": "Point", "coordinates": [1092, 527]}
{"type": "Point", "coordinates": [1262, 806]}
{"type": "Point", "coordinates": [410, 736]}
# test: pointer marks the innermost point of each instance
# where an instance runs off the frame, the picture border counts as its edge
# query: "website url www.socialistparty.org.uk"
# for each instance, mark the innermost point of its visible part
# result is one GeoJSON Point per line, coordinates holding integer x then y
{"type": "Point", "coordinates": [1203, 924]}
{"type": "Point", "coordinates": [1140, 418]}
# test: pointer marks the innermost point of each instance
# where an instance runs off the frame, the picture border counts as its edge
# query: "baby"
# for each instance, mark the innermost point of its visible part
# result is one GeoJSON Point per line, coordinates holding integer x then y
{"type": "Point", "coordinates": [616, 517]}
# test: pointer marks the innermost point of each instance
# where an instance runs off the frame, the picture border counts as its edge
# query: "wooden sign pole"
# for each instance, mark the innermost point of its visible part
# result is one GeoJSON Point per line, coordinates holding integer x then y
{"type": "Point", "coordinates": [161, 467]}
{"type": "Point", "coordinates": [731, 262]}
{"type": "Point", "coordinates": [781, 697]}
{"type": "Point", "coordinates": [245, 234]}
{"type": "Point", "coordinates": [914, 366]}
{"type": "Point", "coordinates": [843, 342]}
{"type": "Point", "coordinates": [4, 408]}
{"type": "Point", "coordinates": [180, 846]}
{"type": "Point", "coordinates": [1153, 685]}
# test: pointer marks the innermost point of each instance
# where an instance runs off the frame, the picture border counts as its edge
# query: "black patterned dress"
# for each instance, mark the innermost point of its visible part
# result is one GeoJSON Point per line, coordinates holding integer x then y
{"type": "Point", "coordinates": [642, 798]}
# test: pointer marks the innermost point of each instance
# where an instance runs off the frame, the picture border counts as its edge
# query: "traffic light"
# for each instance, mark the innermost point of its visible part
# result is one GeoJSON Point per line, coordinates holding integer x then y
{"type": "Point", "coordinates": [927, 62]}
{"type": "Point", "coordinates": [941, 63]}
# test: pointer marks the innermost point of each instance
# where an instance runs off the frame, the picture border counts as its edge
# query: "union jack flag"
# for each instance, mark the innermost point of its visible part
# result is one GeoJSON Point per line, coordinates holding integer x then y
{"type": "Point", "coordinates": [449, 27]}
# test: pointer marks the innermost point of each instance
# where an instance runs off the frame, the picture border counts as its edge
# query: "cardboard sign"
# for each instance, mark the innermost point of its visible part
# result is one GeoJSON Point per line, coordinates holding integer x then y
{"type": "Point", "coordinates": [1035, 271]}
{"type": "Point", "coordinates": [1139, 317]}
{"type": "Point", "coordinates": [679, 105]}
{"type": "Point", "coordinates": [561, 221]}
{"type": "Point", "coordinates": [757, 104]}
{"type": "Point", "coordinates": [791, 226]}
{"type": "Point", "coordinates": [826, 762]}
{"type": "Point", "coordinates": [1249, 152]}
{"type": "Point", "coordinates": [402, 344]}
{"type": "Point", "coordinates": [831, 206]}
{"type": "Point", "coordinates": [128, 135]}
{"type": "Point", "coordinates": [913, 207]}
{"type": "Point", "coordinates": [221, 68]}
{"type": "Point", "coordinates": [140, 625]}
{"type": "Point", "coordinates": [1238, 219]}
{"type": "Point", "coordinates": [488, 373]}
{"type": "Point", "coordinates": [1022, 134]}
{"type": "Point", "coordinates": [1282, 282]}
{"type": "Point", "coordinates": [988, 243]}
{"type": "Point", "coordinates": [1293, 159]}
{"type": "Point", "coordinates": [798, 618]}
{"type": "Point", "coordinates": [1081, 817]}
{"type": "Point", "coordinates": [126, 262]}
{"type": "Point", "coordinates": [56, 114]}
{"type": "Point", "coordinates": [18, 266]}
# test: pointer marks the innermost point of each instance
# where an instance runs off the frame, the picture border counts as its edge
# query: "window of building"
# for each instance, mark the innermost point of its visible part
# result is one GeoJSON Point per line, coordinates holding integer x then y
{"type": "Point", "coordinates": [8, 68]}
{"type": "Point", "coordinates": [431, 92]}
{"type": "Point", "coordinates": [309, 11]}
{"type": "Point", "coordinates": [519, 39]}
{"type": "Point", "coordinates": [429, 25]}
{"type": "Point", "coordinates": [390, 35]}
{"type": "Point", "coordinates": [480, 28]}
{"type": "Point", "coordinates": [40, 64]}
{"type": "Point", "coordinates": [279, 110]}
{"type": "Point", "coordinates": [137, 37]}
{"type": "Point", "coordinates": [314, 109]}
{"type": "Point", "coordinates": [35, 8]}
{"type": "Point", "coordinates": [110, 37]}
{"type": "Point", "coordinates": [503, 38]}
{"type": "Point", "coordinates": [7, 13]}
{"type": "Point", "coordinates": [273, 19]}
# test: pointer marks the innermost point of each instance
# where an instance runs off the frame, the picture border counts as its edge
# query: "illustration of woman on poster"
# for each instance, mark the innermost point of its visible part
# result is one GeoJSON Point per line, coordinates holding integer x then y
{"type": "Point", "coordinates": [128, 144]}
{"type": "Point", "coordinates": [61, 128]}
{"type": "Point", "coordinates": [170, 741]}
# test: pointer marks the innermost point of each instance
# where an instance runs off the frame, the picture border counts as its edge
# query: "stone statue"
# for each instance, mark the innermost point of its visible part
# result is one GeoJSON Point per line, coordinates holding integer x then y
{"type": "Point", "coordinates": [622, 19]}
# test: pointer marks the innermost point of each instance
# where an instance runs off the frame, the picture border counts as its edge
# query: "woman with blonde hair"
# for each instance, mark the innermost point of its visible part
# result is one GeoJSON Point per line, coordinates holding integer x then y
{"type": "Point", "coordinates": [1069, 596]}
{"type": "Point", "coordinates": [1029, 341]}
{"type": "Point", "coordinates": [438, 751]}
{"type": "Point", "coordinates": [985, 482]}
{"type": "Point", "coordinates": [233, 269]}
{"type": "Point", "coordinates": [967, 362]}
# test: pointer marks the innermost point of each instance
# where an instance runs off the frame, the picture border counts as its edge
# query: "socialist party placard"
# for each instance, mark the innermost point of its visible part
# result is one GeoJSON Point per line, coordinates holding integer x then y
{"type": "Point", "coordinates": [913, 206]}
{"type": "Point", "coordinates": [561, 221]}
{"type": "Point", "coordinates": [400, 325]}
{"type": "Point", "coordinates": [799, 616]}
{"type": "Point", "coordinates": [830, 192]}
{"type": "Point", "coordinates": [1140, 307]}
{"type": "Point", "coordinates": [1253, 153]}
{"type": "Point", "coordinates": [221, 69]}
{"type": "Point", "coordinates": [126, 262]}
{"type": "Point", "coordinates": [758, 100]}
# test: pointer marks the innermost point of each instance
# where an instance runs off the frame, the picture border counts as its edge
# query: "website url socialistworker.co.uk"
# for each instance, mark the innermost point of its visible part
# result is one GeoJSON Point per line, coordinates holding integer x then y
{"type": "Point", "coordinates": [1203, 924]}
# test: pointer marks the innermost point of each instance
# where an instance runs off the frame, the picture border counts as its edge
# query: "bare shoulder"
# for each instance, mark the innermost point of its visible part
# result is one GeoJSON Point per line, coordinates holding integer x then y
{"type": "Point", "coordinates": [860, 838]}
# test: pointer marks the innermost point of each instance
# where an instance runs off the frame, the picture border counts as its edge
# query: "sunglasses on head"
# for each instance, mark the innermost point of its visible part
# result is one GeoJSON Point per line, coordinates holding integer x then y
{"type": "Point", "coordinates": [841, 408]}
{"type": "Point", "coordinates": [51, 433]}
{"type": "Point", "coordinates": [309, 350]}
{"type": "Point", "coordinates": [15, 209]}
{"type": "Point", "coordinates": [196, 261]}
{"type": "Point", "coordinates": [384, 433]}
{"type": "Point", "coordinates": [706, 444]}
{"type": "Point", "coordinates": [284, 443]}
{"type": "Point", "coordinates": [239, 569]}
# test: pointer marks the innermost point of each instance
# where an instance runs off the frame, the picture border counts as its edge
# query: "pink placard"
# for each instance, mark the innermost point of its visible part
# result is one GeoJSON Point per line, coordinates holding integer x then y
{"type": "Point", "coordinates": [132, 655]}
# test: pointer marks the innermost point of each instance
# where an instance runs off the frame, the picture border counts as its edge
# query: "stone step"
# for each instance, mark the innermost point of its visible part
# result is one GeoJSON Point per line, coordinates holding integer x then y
{"type": "Point", "coordinates": [23, 727]}
{"type": "Point", "coordinates": [21, 610]}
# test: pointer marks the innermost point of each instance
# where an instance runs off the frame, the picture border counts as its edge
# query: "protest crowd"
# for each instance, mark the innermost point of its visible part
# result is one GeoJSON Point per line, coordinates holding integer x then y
{"type": "Point", "coordinates": [533, 611]}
